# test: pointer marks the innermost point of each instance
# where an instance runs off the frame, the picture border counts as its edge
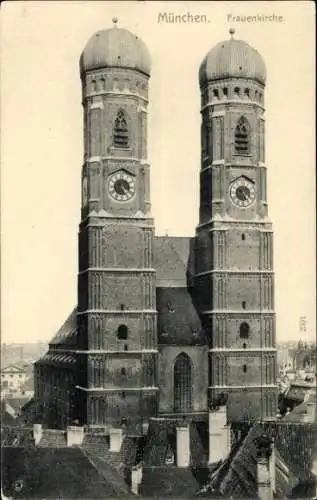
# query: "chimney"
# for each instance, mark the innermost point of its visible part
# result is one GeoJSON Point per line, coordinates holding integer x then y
{"type": "Point", "coordinates": [272, 466]}
{"type": "Point", "coordinates": [265, 475]}
{"type": "Point", "coordinates": [182, 446]}
{"type": "Point", "coordinates": [219, 434]}
{"type": "Point", "coordinates": [37, 433]}
{"type": "Point", "coordinates": [75, 435]}
{"type": "Point", "coordinates": [116, 438]}
{"type": "Point", "coordinates": [136, 478]}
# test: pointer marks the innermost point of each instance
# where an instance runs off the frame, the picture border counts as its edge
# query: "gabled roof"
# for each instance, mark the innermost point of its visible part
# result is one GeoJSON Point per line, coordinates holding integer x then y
{"type": "Point", "coordinates": [16, 368]}
{"type": "Point", "coordinates": [67, 334]}
{"type": "Point", "coordinates": [39, 473]}
{"type": "Point", "coordinates": [172, 260]}
{"type": "Point", "coordinates": [295, 448]}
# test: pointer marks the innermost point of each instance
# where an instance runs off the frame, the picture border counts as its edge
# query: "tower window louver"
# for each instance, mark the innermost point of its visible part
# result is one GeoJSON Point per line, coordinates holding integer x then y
{"type": "Point", "coordinates": [242, 136]}
{"type": "Point", "coordinates": [120, 131]}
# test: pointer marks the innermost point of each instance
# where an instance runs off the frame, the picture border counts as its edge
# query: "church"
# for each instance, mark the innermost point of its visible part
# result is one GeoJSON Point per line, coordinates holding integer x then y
{"type": "Point", "coordinates": [167, 331]}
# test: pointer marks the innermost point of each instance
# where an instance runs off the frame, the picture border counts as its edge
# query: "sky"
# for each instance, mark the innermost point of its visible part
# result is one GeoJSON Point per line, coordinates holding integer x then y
{"type": "Point", "coordinates": [42, 144]}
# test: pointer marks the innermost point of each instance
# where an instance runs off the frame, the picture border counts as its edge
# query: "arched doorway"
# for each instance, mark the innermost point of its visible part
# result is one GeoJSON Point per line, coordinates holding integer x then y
{"type": "Point", "coordinates": [182, 383]}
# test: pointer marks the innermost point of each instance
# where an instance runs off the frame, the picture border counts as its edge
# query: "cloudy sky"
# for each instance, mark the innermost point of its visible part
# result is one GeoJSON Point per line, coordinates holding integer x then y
{"type": "Point", "coordinates": [42, 147]}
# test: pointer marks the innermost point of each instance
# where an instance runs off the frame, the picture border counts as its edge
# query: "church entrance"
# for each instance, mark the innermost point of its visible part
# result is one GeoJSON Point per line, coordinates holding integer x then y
{"type": "Point", "coordinates": [182, 383]}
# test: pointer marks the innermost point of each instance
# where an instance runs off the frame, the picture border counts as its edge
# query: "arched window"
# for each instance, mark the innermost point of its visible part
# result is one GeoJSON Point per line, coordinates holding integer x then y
{"type": "Point", "coordinates": [215, 93]}
{"type": "Point", "coordinates": [242, 136]}
{"type": "Point", "coordinates": [247, 93]}
{"type": "Point", "coordinates": [122, 332]}
{"type": "Point", "coordinates": [243, 236]}
{"type": "Point", "coordinates": [120, 131]}
{"type": "Point", "coordinates": [182, 383]}
{"type": "Point", "coordinates": [237, 92]}
{"type": "Point", "coordinates": [244, 331]}
{"type": "Point", "coordinates": [243, 304]}
{"type": "Point", "coordinates": [225, 91]}
{"type": "Point", "coordinates": [245, 368]}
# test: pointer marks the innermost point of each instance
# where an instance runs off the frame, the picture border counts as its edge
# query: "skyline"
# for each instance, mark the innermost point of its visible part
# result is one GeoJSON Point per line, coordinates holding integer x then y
{"type": "Point", "coordinates": [45, 152]}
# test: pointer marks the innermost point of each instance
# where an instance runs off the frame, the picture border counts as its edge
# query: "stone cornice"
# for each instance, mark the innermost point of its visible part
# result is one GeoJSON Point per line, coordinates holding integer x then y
{"type": "Point", "coordinates": [241, 387]}
{"type": "Point", "coordinates": [125, 312]}
{"type": "Point", "coordinates": [244, 312]}
{"type": "Point", "coordinates": [230, 221]}
{"type": "Point", "coordinates": [235, 271]}
{"type": "Point", "coordinates": [117, 270]}
{"type": "Point", "coordinates": [117, 389]}
{"type": "Point", "coordinates": [231, 350]}
{"type": "Point", "coordinates": [241, 102]}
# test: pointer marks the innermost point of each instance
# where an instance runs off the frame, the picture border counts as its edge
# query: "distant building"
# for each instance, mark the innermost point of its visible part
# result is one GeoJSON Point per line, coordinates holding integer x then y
{"type": "Point", "coordinates": [14, 376]}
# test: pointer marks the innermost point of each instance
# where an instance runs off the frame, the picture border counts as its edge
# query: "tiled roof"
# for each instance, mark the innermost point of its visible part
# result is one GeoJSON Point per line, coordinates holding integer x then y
{"type": "Point", "coordinates": [52, 473]}
{"type": "Point", "coordinates": [168, 482]}
{"type": "Point", "coordinates": [113, 466]}
{"type": "Point", "coordinates": [59, 358]}
{"type": "Point", "coordinates": [67, 334]}
{"type": "Point", "coordinates": [172, 261]}
{"type": "Point", "coordinates": [296, 448]}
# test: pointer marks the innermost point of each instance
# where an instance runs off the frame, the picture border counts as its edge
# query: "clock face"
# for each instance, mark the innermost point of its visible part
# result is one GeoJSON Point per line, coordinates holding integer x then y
{"type": "Point", "coordinates": [121, 186]}
{"type": "Point", "coordinates": [242, 192]}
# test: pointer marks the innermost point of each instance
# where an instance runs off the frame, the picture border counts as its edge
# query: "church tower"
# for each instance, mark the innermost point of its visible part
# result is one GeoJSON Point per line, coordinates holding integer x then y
{"type": "Point", "coordinates": [116, 316]}
{"type": "Point", "coordinates": [234, 279]}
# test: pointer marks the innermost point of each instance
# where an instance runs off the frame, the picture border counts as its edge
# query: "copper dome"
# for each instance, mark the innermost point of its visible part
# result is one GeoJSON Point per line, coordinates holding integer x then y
{"type": "Point", "coordinates": [115, 47]}
{"type": "Point", "coordinates": [232, 59]}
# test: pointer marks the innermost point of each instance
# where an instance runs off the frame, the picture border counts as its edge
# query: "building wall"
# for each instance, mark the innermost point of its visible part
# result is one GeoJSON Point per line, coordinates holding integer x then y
{"type": "Point", "coordinates": [199, 358]}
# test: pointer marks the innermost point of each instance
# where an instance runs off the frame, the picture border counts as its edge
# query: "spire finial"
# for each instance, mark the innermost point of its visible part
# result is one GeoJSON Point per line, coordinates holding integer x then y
{"type": "Point", "coordinates": [115, 22]}
{"type": "Point", "coordinates": [232, 32]}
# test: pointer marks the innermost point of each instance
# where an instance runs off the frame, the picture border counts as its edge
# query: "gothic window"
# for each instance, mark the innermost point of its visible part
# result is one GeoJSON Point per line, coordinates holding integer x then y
{"type": "Point", "coordinates": [122, 332]}
{"type": "Point", "coordinates": [242, 136]}
{"type": "Point", "coordinates": [182, 383]}
{"type": "Point", "coordinates": [120, 131]}
{"type": "Point", "coordinates": [244, 331]}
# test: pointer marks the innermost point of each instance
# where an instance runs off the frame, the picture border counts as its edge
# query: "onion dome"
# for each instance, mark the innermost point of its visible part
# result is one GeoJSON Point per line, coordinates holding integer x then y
{"type": "Point", "coordinates": [115, 48]}
{"type": "Point", "coordinates": [232, 59]}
